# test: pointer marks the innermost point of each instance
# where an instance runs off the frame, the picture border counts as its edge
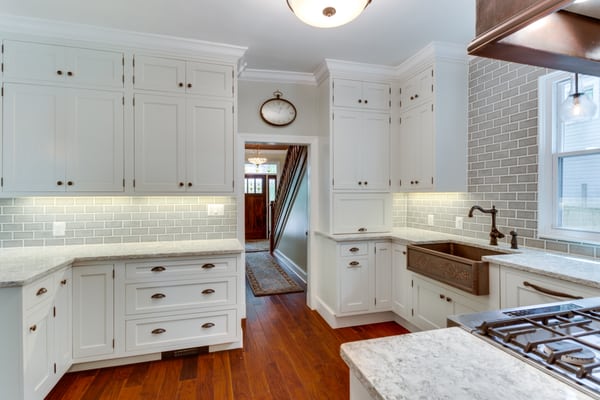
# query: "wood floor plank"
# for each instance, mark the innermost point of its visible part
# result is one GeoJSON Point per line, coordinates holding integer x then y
{"type": "Point", "coordinates": [289, 353]}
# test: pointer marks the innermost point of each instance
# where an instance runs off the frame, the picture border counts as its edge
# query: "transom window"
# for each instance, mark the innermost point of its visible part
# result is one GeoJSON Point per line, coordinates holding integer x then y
{"type": "Point", "coordinates": [569, 165]}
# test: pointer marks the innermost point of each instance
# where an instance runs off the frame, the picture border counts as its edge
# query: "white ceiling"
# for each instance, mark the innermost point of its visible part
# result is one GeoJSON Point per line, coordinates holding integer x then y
{"type": "Point", "coordinates": [388, 32]}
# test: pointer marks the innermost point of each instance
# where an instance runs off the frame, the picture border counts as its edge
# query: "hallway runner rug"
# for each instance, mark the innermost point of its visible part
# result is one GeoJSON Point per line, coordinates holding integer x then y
{"type": "Point", "coordinates": [252, 246]}
{"type": "Point", "coordinates": [266, 277]}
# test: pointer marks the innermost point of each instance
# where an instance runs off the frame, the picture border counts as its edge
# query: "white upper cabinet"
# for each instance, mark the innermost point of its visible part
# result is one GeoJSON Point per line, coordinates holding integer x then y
{"type": "Point", "coordinates": [180, 76]}
{"type": "Point", "coordinates": [361, 95]}
{"type": "Point", "coordinates": [417, 90]}
{"type": "Point", "coordinates": [361, 142]}
{"type": "Point", "coordinates": [429, 129]}
{"type": "Point", "coordinates": [60, 139]}
{"type": "Point", "coordinates": [172, 135]}
{"type": "Point", "coordinates": [70, 66]}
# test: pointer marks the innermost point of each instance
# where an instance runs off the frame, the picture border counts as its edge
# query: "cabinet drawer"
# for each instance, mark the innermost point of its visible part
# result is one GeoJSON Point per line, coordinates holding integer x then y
{"type": "Point", "coordinates": [354, 249]}
{"type": "Point", "coordinates": [38, 292]}
{"type": "Point", "coordinates": [161, 270]}
{"type": "Point", "coordinates": [182, 330]}
{"type": "Point", "coordinates": [144, 298]}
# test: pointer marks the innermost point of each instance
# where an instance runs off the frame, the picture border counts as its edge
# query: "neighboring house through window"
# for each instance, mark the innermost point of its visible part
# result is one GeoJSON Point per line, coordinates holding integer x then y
{"type": "Point", "coordinates": [569, 163]}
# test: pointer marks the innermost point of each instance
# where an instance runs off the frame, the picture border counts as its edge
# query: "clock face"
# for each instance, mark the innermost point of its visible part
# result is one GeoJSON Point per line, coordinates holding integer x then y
{"type": "Point", "coordinates": [278, 112]}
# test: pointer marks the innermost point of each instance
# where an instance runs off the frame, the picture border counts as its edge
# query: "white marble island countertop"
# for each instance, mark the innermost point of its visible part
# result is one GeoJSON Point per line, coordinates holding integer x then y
{"type": "Point", "coordinates": [21, 266]}
{"type": "Point", "coordinates": [448, 364]}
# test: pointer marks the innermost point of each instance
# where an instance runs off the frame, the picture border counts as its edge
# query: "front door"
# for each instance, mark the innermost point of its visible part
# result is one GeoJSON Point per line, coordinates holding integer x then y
{"type": "Point", "coordinates": [255, 200]}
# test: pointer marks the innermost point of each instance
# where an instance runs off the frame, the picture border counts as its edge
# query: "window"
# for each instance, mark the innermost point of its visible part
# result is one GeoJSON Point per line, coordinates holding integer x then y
{"type": "Point", "coordinates": [569, 164]}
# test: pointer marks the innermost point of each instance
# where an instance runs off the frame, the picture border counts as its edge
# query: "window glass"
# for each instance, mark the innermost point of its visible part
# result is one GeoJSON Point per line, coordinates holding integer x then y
{"type": "Point", "coordinates": [270, 169]}
{"type": "Point", "coordinates": [579, 196]}
{"type": "Point", "coordinates": [581, 135]}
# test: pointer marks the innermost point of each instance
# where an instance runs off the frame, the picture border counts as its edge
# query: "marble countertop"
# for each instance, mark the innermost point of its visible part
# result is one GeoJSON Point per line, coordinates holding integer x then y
{"type": "Point", "coordinates": [24, 265]}
{"type": "Point", "coordinates": [448, 364]}
{"type": "Point", "coordinates": [556, 265]}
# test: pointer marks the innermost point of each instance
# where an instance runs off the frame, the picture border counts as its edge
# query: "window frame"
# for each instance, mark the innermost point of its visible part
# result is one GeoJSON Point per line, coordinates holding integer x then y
{"type": "Point", "coordinates": [548, 165]}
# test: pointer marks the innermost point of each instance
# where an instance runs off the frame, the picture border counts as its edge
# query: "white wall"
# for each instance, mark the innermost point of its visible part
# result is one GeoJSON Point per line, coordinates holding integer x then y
{"type": "Point", "coordinates": [252, 94]}
{"type": "Point", "coordinates": [293, 241]}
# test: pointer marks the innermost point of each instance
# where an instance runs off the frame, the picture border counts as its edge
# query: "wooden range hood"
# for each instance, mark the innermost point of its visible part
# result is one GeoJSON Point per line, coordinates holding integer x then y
{"type": "Point", "coordinates": [556, 34]}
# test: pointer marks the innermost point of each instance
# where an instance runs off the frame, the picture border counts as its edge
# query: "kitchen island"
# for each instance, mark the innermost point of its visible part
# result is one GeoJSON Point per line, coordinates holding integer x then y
{"type": "Point", "coordinates": [445, 364]}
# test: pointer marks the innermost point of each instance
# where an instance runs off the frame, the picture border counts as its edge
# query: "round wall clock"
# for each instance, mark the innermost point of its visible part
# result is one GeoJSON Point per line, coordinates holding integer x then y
{"type": "Point", "coordinates": [278, 111]}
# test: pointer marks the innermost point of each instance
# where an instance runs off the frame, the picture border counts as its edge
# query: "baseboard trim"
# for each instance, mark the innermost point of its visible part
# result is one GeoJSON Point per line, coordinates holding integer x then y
{"type": "Point", "coordinates": [335, 321]}
{"type": "Point", "coordinates": [292, 266]}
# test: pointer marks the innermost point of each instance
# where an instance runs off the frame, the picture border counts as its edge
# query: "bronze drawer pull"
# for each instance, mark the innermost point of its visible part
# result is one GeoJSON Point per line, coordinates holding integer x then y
{"type": "Point", "coordinates": [208, 291]}
{"type": "Point", "coordinates": [353, 249]}
{"type": "Point", "coordinates": [208, 325]}
{"type": "Point", "coordinates": [33, 328]}
{"type": "Point", "coordinates": [158, 269]}
{"type": "Point", "coordinates": [158, 331]}
{"type": "Point", "coordinates": [550, 291]}
{"type": "Point", "coordinates": [208, 266]}
{"type": "Point", "coordinates": [353, 264]}
{"type": "Point", "coordinates": [158, 296]}
{"type": "Point", "coordinates": [41, 291]}
{"type": "Point", "coordinates": [362, 229]}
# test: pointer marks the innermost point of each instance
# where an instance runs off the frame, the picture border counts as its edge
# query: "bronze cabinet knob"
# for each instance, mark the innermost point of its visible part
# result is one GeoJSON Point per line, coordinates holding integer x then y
{"type": "Point", "coordinates": [189, 184]}
{"type": "Point", "coordinates": [189, 85]}
{"type": "Point", "coordinates": [366, 101]}
{"type": "Point", "coordinates": [33, 328]}
{"type": "Point", "coordinates": [69, 183]}
{"type": "Point", "coordinates": [70, 73]}
{"type": "Point", "coordinates": [59, 72]}
{"type": "Point", "coordinates": [181, 184]}
{"type": "Point", "coordinates": [360, 100]}
{"type": "Point", "coordinates": [59, 183]}
{"type": "Point", "coordinates": [180, 84]}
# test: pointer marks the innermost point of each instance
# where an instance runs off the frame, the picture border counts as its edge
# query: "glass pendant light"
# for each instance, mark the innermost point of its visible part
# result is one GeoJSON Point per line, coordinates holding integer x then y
{"type": "Point", "coordinates": [327, 13]}
{"type": "Point", "coordinates": [577, 106]}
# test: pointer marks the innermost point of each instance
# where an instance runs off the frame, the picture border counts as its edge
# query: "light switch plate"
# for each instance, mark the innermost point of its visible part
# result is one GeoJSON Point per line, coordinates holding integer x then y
{"type": "Point", "coordinates": [59, 228]}
{"type": "Point", "coordinates": [216, 210]}
{"type": "Point", "coordinates": [430, 220]}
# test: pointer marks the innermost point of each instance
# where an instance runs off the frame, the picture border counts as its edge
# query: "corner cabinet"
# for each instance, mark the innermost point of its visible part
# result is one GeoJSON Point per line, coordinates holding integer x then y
{"type": "Point", "coordinates": [184, 135]}
{"type": "Point", "coordinates": [429, 114]}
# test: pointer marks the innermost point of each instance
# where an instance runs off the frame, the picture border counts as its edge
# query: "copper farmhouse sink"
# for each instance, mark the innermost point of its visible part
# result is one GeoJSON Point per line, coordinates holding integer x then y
{"type": "Point", "coordinates": [455, 264]}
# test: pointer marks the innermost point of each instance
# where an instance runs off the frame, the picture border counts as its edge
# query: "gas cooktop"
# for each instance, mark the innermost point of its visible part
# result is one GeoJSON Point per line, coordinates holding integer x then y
{"type": "Point", "coordinates": [562, 338]}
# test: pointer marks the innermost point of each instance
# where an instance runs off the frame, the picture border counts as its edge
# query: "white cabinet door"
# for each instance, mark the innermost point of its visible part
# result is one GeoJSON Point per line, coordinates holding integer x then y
{"type": "Point", "coordinates": [44, 63]}
{"type": "Point", "coordinates": [33, 136]}
{"type": "Point", "coordinates": [209, 79]}
{"type": "Point", "coordinates": [429, 305]}
{"type": "Point", "coordinates": [376, 96]}
{"type": "Point", "coordinates": [63, 322]}
{"type": "Point", "coordinates": [159, 143]}
{"type": "Point", "coordinates": [347, 145]}
{"type": "Point", "coordinates": [93, 312]}
{"type": "Point", "coordinates": [33, 62]}
{"type": "Point", "coordinates": [401, 282]}
{"type": "Point", "coordinates": [361, 212]}
{"type": "Point", "coordinates": [361, 95]}
{"type": "Point", "coordinates": [96, 68]}
{"type": "Point", "coordinates": [383, 276]}
{"type": "Point", "coordinates": [38, 352]}
{"type": "Point", "coordinates": [417, 148]}
{"type": "Point", "coordinates": [157, 73]}
{"type": "Point", "coordinates": [355, 293]}
{"type": "Point", "coordinates": [417, 90]}
{"type": "Point", "coordinates": [361, 148]}
{"type": "Point", "coordinates": [209, 144]}
{"type": "Point", "coordinates": [374, 151]}
{"type": "Point", "coordinates": [95, 141]}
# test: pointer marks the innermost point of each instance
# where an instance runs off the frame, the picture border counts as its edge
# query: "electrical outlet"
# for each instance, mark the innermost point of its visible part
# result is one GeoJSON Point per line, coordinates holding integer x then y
{"type": "Point", "coordinates": [215, 210]}
{"type": "Point", "coordinates": [59, 228]}
{"type": "Point", "coordinates": [430, 220]}
{"type": "Point", "coordinates": [458, 223]}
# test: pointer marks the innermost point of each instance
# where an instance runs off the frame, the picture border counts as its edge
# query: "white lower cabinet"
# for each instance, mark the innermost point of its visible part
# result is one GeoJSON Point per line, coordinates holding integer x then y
{"type": "Point", "coordinates": [93, 312]}
{"type": "Point", "coordinates": [520, 288]}
{"type": "Point", "coordinates": [364, 270]}
{"type": "Point", "coordinates": [401, 288]}
{"type": "Point", "coordinates": [38, 346]}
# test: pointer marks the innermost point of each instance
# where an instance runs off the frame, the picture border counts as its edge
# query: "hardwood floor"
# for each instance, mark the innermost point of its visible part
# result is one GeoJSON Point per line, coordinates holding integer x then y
{"type": "Point", "coordinates": [289, 353]}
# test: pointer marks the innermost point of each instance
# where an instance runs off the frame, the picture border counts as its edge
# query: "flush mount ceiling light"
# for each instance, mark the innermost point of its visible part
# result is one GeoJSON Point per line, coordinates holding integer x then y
{"type": "Point", "coordinates": [257, 159]}
{"type": "Point", "coordinates": [327, 13]}
{"type": "Point", "coordinates": [577, 106]}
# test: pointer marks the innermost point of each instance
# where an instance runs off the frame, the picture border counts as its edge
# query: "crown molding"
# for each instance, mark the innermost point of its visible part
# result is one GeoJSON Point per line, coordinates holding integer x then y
{"type": "Point", "coordinates": [49, 29]}
{"type": "Point", "coordinates": [434, 51]}
{"type": "Point", "coordinates": [273, 76]}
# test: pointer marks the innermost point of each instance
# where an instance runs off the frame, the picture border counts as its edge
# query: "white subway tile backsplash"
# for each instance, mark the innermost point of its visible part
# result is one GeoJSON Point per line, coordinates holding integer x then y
{"type": "Point", "coordinates": [96, 220]}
